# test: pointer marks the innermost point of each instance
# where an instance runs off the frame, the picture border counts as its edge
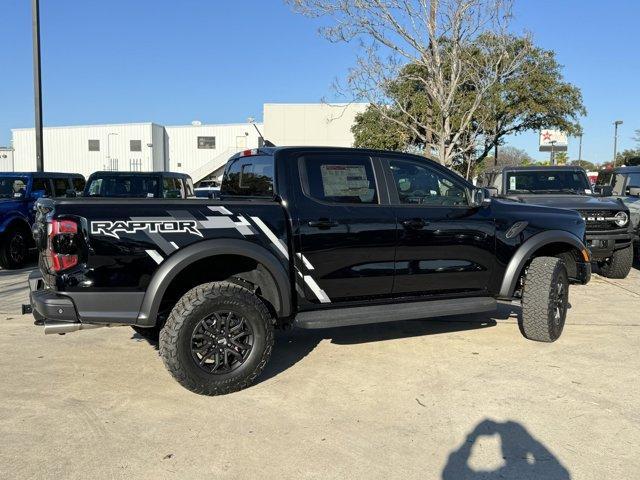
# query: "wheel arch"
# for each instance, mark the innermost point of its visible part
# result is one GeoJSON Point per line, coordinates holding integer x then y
{"type": "Point", "coordinates": [14, 220]}
{"type": "Point", "coordinates": [162, 280]}
{"type": "Point", "coordinates": [546, 243]}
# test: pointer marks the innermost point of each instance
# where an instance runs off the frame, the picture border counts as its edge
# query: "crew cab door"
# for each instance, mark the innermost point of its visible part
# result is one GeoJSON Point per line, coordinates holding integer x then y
{"type": "Point", "coordinates": [346, 231]}
{"type": "Point", "coordinates": [445, 245]}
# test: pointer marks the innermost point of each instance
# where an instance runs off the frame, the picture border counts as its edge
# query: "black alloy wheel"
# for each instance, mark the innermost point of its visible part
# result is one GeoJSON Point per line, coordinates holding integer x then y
{"type": "Point", "coordinates": [221, 342]}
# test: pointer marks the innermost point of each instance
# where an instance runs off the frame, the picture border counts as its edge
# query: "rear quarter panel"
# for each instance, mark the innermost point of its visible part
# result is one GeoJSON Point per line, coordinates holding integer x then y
{"type": "Point", "coordinates": [127, 240]}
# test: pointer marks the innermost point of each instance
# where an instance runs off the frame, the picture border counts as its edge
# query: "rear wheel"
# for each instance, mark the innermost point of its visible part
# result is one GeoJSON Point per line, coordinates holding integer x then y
{"type": "Point", "coordinates": [545, 299]}
{"type": "Point", "coordinates": [619, 265]}
{"type": "Point", "coordinates": [14, 249]}
{"type": "Point", "coordinates": [217, 339]}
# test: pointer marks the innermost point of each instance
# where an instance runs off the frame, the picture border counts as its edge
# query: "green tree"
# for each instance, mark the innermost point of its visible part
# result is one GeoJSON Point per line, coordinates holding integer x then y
{"type": "Point", "coordinates": [528, 98]}
{"type": "Point", "coordinates": [588, 166]}
{"type": "Point", "coordinates": [561, 158]}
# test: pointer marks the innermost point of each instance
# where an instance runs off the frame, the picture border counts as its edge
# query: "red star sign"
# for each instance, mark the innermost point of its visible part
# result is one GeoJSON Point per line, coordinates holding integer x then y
{"type": "Point", "coordinates": [546, 136]}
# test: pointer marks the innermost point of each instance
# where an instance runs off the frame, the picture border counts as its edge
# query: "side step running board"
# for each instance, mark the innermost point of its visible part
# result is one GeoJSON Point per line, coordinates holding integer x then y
{"type": "Point", "coordinates": [340, 317]}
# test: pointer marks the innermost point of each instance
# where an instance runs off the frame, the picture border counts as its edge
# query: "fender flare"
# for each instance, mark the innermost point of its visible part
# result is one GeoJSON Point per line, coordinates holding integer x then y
{"type": "Point", "coordinates": [526, 250]}
{"type": "Point", "coordinates": [14, 218]}
{"type": "Point", "coordinates": [186, 256]}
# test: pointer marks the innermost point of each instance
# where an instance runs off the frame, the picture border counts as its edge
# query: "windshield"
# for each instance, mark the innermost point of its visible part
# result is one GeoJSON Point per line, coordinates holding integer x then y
{"type": "Point", "coordinates": [123, 186]}
{"type": "Point", "coordinates": [548, 181]}
{"type": "Point", "coordinates": [13, 187]}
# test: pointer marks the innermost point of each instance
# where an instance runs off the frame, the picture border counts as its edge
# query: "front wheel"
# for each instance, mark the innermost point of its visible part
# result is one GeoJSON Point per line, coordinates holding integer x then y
{"type": "Point", "coordinates": [545, 299]}
{"type": "Point", "coordinates": [14, 249]}
{"type": "Point", "coordinates": [217, 339]}
{"type": "Point", "coordinates": [619, 265]}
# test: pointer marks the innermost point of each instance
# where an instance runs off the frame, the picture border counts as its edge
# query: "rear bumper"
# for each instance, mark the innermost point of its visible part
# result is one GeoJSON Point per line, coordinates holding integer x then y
{"type": "Point", "coordinates": [602, 245]}
{"type": "Point", "coordinates": [71, 311]}
{"type": "Point", "coordinates": [48, 305]}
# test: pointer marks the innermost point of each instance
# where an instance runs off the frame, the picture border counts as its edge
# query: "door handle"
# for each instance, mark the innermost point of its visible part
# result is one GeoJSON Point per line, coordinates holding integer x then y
{"type": "Point", "coordinates": [323, 223]}
{"type": "Point", "coordinates": [414, 224]}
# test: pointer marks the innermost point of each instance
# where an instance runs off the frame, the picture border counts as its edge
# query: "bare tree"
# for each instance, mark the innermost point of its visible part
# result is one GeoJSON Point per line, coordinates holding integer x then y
{"type": "Point", "coordinates": [438, 39]}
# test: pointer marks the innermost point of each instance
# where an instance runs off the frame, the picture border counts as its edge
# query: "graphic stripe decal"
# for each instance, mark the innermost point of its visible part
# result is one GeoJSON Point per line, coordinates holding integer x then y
{"type": "Point", "coordinates": [272, 236]}
{"type": "Point", "coordinates": [174, 245]}
{"type": "Point", "coordinates": [306, 262]}
{"type": "Point", "coordinates": [315, 288]}
{"type": "Point", "coordinates": [155, 255]}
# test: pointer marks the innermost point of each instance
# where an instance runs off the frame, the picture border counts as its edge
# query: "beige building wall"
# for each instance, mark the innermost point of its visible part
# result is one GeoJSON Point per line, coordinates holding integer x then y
{"type": "Point", "coordinates": [319, 124]}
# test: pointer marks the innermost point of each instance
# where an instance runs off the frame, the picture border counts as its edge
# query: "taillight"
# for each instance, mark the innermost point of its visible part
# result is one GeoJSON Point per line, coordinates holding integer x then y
{"type": "Point", "coordinates": [62, 244]}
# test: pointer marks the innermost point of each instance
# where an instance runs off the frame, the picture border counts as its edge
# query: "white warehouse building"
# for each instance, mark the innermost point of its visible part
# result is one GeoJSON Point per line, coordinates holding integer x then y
{"type": "Point", "coordinates": [196, 149]}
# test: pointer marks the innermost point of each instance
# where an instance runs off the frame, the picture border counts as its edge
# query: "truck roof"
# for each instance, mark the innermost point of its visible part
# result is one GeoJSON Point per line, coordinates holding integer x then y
{"type": "Point", "coordinates": [534, 168]}
{"type": "Point", "coordinates": [273, 150]}
{"type": "Point", "coordinates": [40, 174]}
{"type": "Point", "coordinates": [109, 173]}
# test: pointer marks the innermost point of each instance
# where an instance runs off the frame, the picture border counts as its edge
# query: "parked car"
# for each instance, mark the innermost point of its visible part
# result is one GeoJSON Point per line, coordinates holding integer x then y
{"type": "Point", "coordinates": [623, 183]}
{"type": "Point", "coordinates": [609, 235]}
{"type": "Point", "coordinates": [307, 237]}
{"type": "Point", "coordinates": [139, 185]}
{"type": "Point", "coordinates": [207, 189]}
{"type": "Point", "coordinates": [18, 192]}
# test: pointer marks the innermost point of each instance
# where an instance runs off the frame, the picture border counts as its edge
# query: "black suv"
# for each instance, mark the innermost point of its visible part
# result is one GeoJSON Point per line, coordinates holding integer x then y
{"type": "Point", "coordinates": [139, 185]}
{"type": "Point", "coordinates": [623, 183]}
{"type": "Point", "coordinates": [609, 235]}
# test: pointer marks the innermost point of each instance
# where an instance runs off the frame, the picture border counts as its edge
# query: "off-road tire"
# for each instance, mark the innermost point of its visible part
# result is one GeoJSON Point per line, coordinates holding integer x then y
{"type": "Point", "coordinates": [619, 265]}
{"type": "Point", "coordinates": [7, 259]}
{"type": "Point", "coordinates": [194, 306]}
{"type": "Point", "coordinates": [540, 298]}
{"type": "Point", "coordinates": [150, 333]}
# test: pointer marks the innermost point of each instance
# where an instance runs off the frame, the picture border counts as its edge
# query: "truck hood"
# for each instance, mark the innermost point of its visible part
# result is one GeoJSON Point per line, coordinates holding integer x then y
{"type": "Point", "coordinates": [573, 202]}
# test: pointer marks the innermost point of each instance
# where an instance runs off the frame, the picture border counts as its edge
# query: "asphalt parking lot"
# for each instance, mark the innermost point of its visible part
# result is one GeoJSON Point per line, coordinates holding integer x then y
{"type": "Point", "coordinates": [425, 399]}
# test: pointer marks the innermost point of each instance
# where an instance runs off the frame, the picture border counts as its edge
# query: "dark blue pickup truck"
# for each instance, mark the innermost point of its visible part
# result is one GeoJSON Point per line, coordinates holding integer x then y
{"type": "Point", "coordinates": [18, 192]}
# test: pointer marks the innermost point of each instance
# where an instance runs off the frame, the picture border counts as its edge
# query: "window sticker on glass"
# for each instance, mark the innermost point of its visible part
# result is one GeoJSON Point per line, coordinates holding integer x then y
{"type": "Point", "coordinates": [345, 180]}
{"type": "Point", "coordinates": [512, 183]}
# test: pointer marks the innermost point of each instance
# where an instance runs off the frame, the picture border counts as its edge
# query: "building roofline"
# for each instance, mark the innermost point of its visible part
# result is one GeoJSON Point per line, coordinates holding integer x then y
{"type": "Point", "coordinates": [214, 125]}
{"type": "Point", "coordinates": [93, 125]}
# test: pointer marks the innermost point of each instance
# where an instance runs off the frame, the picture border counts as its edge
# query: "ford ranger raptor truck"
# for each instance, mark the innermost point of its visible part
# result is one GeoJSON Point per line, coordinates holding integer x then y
{"type": "Point", "coordinates": [609, 234]}
{"type": "Point", "coordinates": [305, 237]}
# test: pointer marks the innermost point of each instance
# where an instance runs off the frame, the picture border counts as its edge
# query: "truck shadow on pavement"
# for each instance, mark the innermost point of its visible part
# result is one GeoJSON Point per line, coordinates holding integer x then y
{"type": "Point", "coordinates": [522, 456]}
{"type": "Point", "coordinates": [292, 346]}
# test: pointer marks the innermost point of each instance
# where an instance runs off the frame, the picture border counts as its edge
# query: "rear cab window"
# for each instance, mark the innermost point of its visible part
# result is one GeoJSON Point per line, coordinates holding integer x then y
{"type": "Point", "coordinates": [250, 176]}
{"type": "Point", "coordinates": [134, 186]}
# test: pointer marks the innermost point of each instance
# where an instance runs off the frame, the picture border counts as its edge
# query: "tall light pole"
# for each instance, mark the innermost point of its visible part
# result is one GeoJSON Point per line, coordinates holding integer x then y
{"type": "Point", "coordinates": [580, 148]}
{"type": "Point", "coordinates": [37, 82]}
{"type": "Point", "coordinates": [615, 140]}
{"type": "Point", "coordinates": [553, 152]}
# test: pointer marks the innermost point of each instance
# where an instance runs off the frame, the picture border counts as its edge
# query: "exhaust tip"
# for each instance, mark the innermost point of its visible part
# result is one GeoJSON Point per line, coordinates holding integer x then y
{"type": "Point", "coordinates": [52, 328]}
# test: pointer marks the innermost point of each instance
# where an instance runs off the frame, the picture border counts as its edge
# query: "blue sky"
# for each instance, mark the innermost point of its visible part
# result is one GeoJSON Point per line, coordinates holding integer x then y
{"type": "Point", "coordinates": [219, 61]}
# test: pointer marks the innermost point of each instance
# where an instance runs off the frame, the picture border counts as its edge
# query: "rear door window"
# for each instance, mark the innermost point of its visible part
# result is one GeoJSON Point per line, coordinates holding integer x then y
{"type": "Point", "coordinates": [41, 185]}
{"type": "Point", "coordinates": [60, 186]}
{"type": "Point", "coordinates": [339, 178]}
{"type": "Point", "coordinates": [78, 184]}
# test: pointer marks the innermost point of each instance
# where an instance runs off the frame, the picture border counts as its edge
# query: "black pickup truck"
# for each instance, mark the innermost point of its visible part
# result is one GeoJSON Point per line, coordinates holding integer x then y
{"type": "Point", "coordinates": [609, 234]}
{"type": "Point", "coordinates": [305, 237]}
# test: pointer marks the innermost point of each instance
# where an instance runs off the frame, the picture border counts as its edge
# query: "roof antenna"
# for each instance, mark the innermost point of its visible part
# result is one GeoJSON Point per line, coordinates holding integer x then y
{"type": "Point", "coordinates": [265, 143]}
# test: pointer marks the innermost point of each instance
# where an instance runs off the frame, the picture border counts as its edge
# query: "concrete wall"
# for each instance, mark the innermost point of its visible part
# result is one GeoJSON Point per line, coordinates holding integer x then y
{"type": "Point", "coordinates": [66, 149]}
{"type": "Point", "coordinates": [6, 159]}
{"type": "Point", "coordinates": [185, 156]}
{"type": "Point", "coordinates": [317, 124]}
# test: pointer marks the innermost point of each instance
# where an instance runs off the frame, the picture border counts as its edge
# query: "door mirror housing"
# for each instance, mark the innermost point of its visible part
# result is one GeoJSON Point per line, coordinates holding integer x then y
{"type": "Point", "coordinates": [633, 191]}
{"type": "Point", "coordinates": [478, 197]}
{"type": "Point", "coordinates": [606, 190]}
{"type": "Point", "coordinates": [491, 192]}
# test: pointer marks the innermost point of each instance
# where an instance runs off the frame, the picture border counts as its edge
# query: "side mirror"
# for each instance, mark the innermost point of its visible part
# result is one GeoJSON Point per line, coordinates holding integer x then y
{"type": "Point", "coordinates": [633, 191]}
{"type": "Point", "coordinates": [491, 192]}
{"type": "Point", "coordinates": [70, 193]}
{"type": "Point", "coordinates": [606, 190]}
{"type": "Point", "coordinates": [478, 197]}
